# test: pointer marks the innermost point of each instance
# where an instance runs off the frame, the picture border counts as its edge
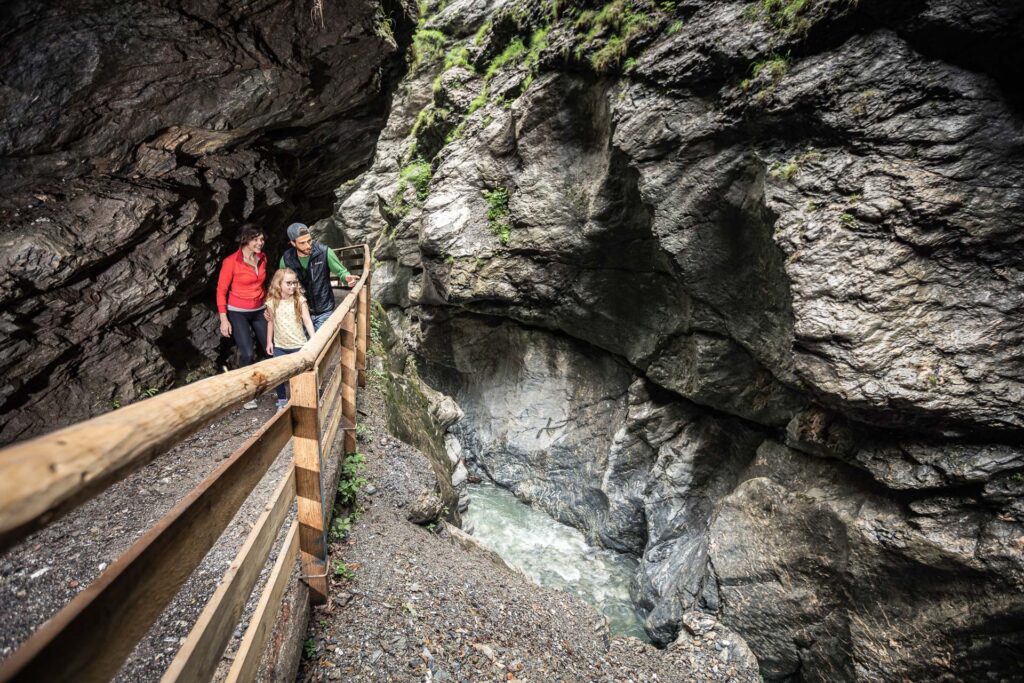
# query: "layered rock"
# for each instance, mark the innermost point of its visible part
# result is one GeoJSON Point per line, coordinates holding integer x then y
{"type": "Point", "coordinates": [135, 140]}
{"type": "Point", "coordinates": [737, 288]}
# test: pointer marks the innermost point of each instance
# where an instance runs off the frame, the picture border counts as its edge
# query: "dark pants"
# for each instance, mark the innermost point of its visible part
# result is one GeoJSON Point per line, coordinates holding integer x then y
{"type": "Point", "coordinates": [243, 326]}
{"type": "Point", "coordinates": [282, 389]}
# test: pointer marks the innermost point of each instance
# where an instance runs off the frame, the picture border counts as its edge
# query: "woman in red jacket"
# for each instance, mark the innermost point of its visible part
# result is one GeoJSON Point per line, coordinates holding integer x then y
{"type": "Point", "coordinates": [240, 294]}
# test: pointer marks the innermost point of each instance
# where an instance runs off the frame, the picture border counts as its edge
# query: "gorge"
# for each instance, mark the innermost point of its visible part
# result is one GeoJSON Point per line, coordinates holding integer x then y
{"type": "Point", "coordinates": [735, 288]}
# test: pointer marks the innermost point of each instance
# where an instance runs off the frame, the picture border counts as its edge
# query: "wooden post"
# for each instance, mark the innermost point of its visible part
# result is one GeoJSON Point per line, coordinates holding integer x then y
{"type": "Point", "coordinates": [349, 379]}
{"type": "Point", "coordinates": [306, 450]}
{"type": "Point", "coordinates": [362, 327]}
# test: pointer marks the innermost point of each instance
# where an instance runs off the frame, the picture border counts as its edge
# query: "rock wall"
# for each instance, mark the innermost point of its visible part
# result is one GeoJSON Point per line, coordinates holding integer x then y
{"type": "Point", "coordinates": [737, 287]}
{"type": "Point", "coordinates": [135, 140]}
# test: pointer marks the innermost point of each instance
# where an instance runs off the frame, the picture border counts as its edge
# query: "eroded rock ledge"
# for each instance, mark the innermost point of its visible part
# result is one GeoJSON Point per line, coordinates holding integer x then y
{"type": "Point", "coordinates": [736, 287]}
{"type": "Point", "coordinates": [134, 142]}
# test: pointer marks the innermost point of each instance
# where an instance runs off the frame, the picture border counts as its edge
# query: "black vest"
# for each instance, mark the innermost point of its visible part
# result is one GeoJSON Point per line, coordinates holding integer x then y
{"type": "Point", "coordinates": [316, 280]}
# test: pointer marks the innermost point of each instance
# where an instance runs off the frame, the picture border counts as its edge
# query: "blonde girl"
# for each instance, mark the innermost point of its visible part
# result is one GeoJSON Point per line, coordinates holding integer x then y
{"type": "Point", "coordinates": [288, 322]}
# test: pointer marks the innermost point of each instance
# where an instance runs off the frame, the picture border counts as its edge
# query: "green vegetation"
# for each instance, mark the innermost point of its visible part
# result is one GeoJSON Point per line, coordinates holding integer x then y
{"type": "Point", "coordinates": [416, 174]}
{"type": "Point", "coordinates": [341, 525]}
{"type": "Point", "coordinates": [785, 171]}
{"type": "Point", "coordinates": [343, 571]}
{"type": "Point", "coordinates": [456, 132]}
{"type": "Point", "coordinates": [792, 17]}
{"type": "Point", "coordinates": [457, 56]}
{"type": "Point", "coordinates": [675, 27]}
{"type": "Point", "coordinates": [848, 218]}
{"type": "Point", "coordinates": [382, 26]}
{"type": "Point", "coordinates": [621, 21]}
{"type": "Point", "coordinates": [498, 214]}
{"type": "Point", "coordinates": [351, 479]}
{"type": "Point", "coordinates": [377, 327]}
{"type": "Point", "coordinates": [363, 433]}
{"type": "Point", "coordinates": [860, 104]}
{"type": "Point", "coordinates": [309, 648]}
{"type": "Point", "coordinates": [512, 52]}
{"type": "Point", "coordinates": [772, 69]}
{"type": "Point", "coordinates": [480, 100]}
{"type": "Point", "coordinates": [346, 512]}
{"type": "Point", "coordinates": [427, 47]}
{"type": "Point", "coordinates": [775, 67]}
{"type": "Point", "coordinates": [481, 33]}
{"type": "Point", "coordinates": [427, 119]}
{"type": "Point", "coordinates": [789, 169]}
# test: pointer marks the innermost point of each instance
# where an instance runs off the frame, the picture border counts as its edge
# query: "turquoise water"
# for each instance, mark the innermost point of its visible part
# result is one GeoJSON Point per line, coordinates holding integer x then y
{"type": "Point", "coordinates": [554, 555]}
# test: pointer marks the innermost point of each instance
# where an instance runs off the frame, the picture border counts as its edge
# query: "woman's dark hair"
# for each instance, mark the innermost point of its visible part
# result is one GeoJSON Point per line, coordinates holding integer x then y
{"type": "Point", "coordinates": [247, 234]}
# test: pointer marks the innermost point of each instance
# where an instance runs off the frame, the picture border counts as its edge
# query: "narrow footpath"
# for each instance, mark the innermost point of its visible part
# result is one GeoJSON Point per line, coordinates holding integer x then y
{"type": "Point", "coordinates": [43, 573]}
{"type": "Point", "coordinates": [425, 603]}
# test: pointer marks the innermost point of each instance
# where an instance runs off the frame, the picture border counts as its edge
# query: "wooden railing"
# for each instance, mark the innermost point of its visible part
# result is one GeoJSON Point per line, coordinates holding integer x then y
{"type": "Point", "coordinates": [44, 478]}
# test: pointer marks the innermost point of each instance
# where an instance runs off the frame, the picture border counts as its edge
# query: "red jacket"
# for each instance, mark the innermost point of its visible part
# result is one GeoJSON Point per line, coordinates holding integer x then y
{"type": "Point", "coordinates": [240, 285]}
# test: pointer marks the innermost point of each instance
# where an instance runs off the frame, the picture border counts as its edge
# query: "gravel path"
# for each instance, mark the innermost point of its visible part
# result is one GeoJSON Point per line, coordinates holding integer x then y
{"type": "Point", "coordinates": [42, 574]}
{"type": "Point", "coordinates": [422, 607]}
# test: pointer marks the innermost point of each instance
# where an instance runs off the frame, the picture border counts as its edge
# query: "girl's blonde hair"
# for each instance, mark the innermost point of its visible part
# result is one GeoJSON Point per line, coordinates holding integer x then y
{"type": "Point", "coordinates": [275, 292]}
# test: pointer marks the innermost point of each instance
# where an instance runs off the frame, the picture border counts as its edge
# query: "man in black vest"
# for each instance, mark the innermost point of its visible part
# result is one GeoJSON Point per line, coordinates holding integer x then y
{"type": "Point", "coordinates": [314, 263]}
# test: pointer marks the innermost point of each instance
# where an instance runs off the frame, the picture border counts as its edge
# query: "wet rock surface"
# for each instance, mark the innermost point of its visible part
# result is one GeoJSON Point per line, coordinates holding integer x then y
{"type": "Point", "coordinates": [135, 140]}
{"type": "Point", "coordinates": [744, 298]}
{"type": "Point", "coordinates": [429, 603]}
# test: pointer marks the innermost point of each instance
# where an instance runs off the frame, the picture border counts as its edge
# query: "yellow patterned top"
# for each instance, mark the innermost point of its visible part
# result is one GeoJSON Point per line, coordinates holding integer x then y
{"type": "Point", "coordinates": [288, 332]}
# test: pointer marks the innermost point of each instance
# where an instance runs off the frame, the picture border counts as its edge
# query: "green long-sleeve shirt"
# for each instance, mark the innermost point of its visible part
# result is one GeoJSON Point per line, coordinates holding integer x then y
{"type": "Point", "coordinates": [333, 262]}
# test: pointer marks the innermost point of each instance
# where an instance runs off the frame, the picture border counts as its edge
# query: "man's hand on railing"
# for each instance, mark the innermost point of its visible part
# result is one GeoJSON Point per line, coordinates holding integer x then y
{"type": "Point", "coordinates": [351, 280]}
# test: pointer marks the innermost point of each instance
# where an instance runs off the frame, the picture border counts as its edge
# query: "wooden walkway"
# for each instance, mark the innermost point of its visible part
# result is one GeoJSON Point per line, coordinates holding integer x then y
{"type": "Point", "coordinates": [44, 478]}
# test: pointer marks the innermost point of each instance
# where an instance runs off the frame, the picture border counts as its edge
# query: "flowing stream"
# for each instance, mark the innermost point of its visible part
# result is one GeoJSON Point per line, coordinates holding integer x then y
{"type": "Point", "coordinates": [554, 555]}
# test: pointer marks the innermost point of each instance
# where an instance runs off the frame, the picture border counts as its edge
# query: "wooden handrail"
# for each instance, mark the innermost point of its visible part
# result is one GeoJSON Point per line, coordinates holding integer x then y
{"type": "Point", "coordinates": [43, 478]}
{"type": "Point", "coordinates": [46, 477]}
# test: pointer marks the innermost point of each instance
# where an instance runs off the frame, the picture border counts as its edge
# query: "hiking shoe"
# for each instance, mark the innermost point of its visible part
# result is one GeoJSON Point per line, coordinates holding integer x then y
{"type": "Point", "coordinates": [251, 405]}
{"type": "Point", "coordinates": [282, 403]}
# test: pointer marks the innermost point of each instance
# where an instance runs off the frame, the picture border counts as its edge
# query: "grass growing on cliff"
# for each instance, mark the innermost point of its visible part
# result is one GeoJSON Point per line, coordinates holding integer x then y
{"type": "Point", "coordinates": [427, 47]}
{"type": "Point", "coordinates": [613, 28]}
{"type": "Point", "coordinates": [418, 175]}
{"type": "Point", "coordinates": [498, 214]}
{"type": "Point", "coordinates": [511, 54]}
{"type": "Point", "coordinates": [793, 17]}
{"type": "Point", "coordinates": [773, 69]}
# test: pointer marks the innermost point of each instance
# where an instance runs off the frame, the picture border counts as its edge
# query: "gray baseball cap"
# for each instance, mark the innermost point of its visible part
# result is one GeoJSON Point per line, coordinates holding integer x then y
{"type": "Point", "coordinates": [297, 230]}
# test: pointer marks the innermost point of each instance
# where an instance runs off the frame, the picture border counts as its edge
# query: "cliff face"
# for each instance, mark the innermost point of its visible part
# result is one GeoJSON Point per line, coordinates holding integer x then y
{"type": "Point", "coordinates": [739, 288]}
{"type": "Point", "coordinates": [135, 139]}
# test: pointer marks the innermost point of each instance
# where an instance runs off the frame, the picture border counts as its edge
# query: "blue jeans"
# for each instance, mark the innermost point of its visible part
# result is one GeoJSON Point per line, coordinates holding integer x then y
{"type": "Point", "coordinates": [282, 389]}
{"type": "Point", "coordinates": [320, 318]}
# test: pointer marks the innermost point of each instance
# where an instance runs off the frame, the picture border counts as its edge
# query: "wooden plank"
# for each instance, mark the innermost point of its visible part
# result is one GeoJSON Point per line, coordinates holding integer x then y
{"type": "Point", "coordinates": [198, 657]}
{"type": "Point", "coordinates": [326, 361]}
{"type": "Point", "coordinates": [329, 397]}
{"type": "Point", "coordinates": [349, 378]}
{"type": "Point", "coordinates": [90, 638]}
{"type": "Point", "coordinates": [338, 419]}
{"type": "Point", "coordinates": [44, 478]}
{"type": "Point", "coordinates": [306, 448]}
{"type": "Point", "coordinates": [250, 651]}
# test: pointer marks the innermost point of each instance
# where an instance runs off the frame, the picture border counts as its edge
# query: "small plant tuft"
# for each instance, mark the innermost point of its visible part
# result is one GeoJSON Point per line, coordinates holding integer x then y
{"type": "Point", "coordinates": [427, 47]}
{"type": "Point", "coordinates": [498, 214]}
{"type": "Point", "coordinates": [511, 54]}
{"type": "Point", "coordinates": [343, 571]}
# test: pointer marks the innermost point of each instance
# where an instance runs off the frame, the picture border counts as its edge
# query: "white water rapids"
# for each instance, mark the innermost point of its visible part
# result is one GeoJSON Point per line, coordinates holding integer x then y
{"type": "Point", "coordinates": [554, 555]}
